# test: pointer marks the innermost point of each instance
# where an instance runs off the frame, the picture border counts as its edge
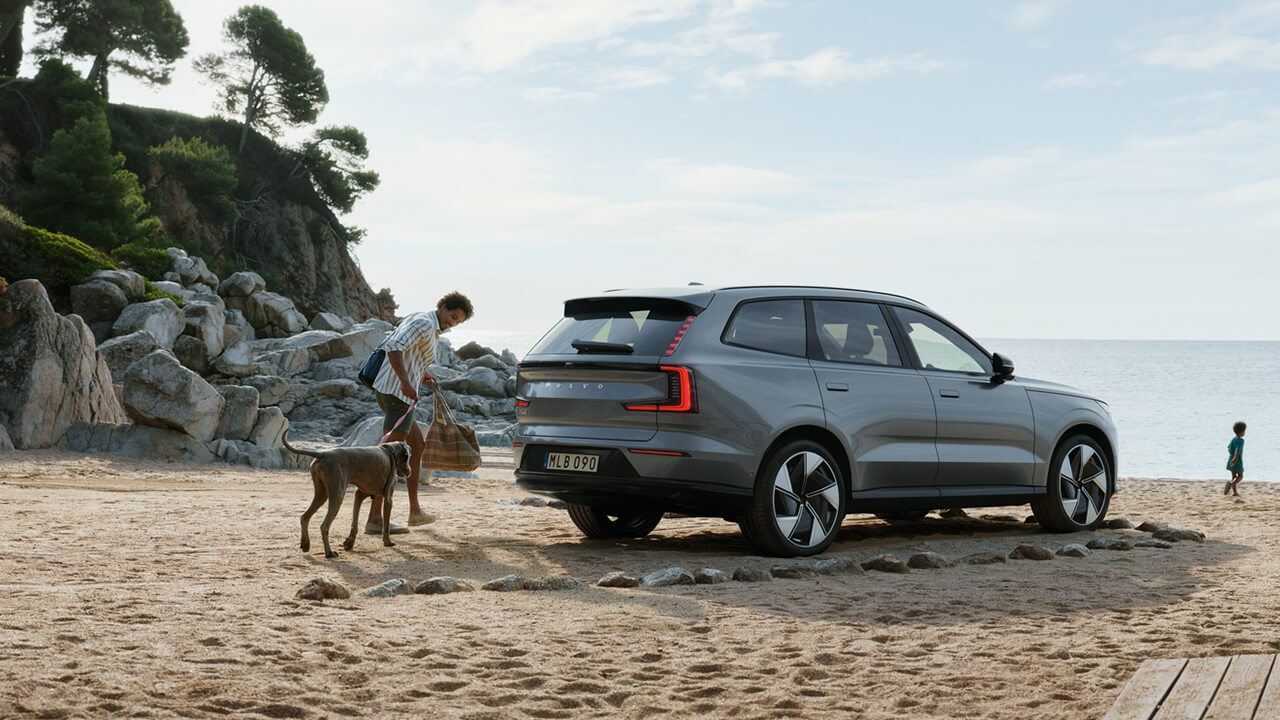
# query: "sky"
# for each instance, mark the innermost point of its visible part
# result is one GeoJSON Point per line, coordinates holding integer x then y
{"type": "Point", "coordinates": [1042, 169]}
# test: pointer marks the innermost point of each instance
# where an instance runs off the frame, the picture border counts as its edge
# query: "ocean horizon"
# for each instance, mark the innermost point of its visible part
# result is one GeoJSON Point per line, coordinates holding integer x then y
{"type": "Point", "coordinates": [1174, 401]}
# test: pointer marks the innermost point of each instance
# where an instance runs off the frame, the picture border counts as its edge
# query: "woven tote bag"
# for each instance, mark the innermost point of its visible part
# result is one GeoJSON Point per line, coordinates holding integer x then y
{"type": "Point", "coordinates": [450, 446]}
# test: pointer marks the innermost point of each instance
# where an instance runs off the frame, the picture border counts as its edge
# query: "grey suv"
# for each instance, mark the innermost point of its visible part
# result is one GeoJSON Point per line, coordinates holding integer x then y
{"type": "Point", "coordinates": [784, 408]}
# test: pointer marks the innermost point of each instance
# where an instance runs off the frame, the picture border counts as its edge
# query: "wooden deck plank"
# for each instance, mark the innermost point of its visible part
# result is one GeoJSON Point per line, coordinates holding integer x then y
{"type": "Point", "coordinates": [1241, 688]}
{"type": "Point", "coordinates": [1269, 706]}
{"type": "Point", "coordinates": [1144, 691]}
{"type": "Point", "coordinates": [1196, 687]}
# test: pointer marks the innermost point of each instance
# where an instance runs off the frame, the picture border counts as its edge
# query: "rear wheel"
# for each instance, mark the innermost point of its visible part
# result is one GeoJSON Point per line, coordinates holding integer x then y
{"type": "Point", "coordinates": [595, 522]}
{"type": "Point", "coordinates": [798, 503]}
{"type": "Point", "coordinates": [1080, 486]}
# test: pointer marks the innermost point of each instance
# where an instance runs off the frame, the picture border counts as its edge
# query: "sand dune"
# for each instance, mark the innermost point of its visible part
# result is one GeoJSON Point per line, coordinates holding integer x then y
{"type": "Point", "coordinates": [160, 590]}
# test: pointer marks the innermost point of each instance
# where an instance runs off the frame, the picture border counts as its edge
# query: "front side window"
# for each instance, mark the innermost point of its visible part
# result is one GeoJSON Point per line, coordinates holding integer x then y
{"type": "Point", "coordinates": [939, 346]}
{"type": "Point", "coordinates": [775, 326]}
{"type": "Point", "coordinates": [853, 332]}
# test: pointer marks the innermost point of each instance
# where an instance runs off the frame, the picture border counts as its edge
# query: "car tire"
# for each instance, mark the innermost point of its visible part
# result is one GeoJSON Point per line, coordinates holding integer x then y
{"type": "Point", "coordinates": [902, 515]}
{"type": "Point", "coordinates": [1081, 481]}
{"type": "Point", "coordinates": [798, 504]}
{"type": "Point", "coordinates": [599, 523]}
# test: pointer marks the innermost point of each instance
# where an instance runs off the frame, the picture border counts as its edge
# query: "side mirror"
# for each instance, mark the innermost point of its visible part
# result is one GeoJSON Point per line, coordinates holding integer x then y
{"type": "Point", "coordinates": [1002, 368]}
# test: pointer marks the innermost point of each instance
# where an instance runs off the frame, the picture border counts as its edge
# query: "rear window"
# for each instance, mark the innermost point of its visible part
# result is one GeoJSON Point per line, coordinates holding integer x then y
{"type": "Point", "coordinates": [646, 328]}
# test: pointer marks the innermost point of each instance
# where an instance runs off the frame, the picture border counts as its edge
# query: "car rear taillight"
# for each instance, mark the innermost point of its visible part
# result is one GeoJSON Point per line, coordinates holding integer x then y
{"type": "Point", "coordinates": [675, 341]}
{"type": "Point", "coordinates": [680, 392]}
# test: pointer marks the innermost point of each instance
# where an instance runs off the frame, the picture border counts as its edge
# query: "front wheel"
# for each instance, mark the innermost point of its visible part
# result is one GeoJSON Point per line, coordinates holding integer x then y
{"type": "Point", "coordinates": [595, 522]}
{"type": "Point", "coordinates": [1080, 486]}
{"type": "Point", "coordinates": [798, 503]}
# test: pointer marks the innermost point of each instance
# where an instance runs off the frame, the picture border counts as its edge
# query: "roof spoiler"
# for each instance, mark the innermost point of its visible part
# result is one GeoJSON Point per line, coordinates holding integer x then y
{"type": "Point", "coordinates": [684, 305]}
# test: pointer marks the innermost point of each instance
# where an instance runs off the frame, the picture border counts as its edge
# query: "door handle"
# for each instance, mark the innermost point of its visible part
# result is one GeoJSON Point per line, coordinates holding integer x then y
{"type": "Point", "coordinates": [949, 393]}
{"type": "Point", "coordinates": [838, 387]}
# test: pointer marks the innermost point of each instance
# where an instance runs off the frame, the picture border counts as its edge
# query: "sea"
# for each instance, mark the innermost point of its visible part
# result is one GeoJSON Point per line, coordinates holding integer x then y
{"type": "Point", "coordinates": [1174, 401]}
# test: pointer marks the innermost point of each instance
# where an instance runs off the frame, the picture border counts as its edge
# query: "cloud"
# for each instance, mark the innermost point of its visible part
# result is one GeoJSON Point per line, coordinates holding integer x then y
{"type": "Point", "coordinates": [627, 78]}
{"type": "Point", "coordinates": [556, 94]}
{"type": "Point", "coordinates": [829, 66]}
{"type": "Point", "coordinates": [726, 180]}
{"type": "Point", "coordinates": [1241, 52]}
{"type": "Point", "coordinates": [1032, 15]}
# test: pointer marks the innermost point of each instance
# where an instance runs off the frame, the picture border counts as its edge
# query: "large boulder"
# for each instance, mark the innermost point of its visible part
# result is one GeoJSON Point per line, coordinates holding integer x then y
{"type": "Point", "coordinates": [50, 370]}
{"type": "Point", "coordinates": [235, 319]}
{"type": "Point", "coordinates": [192, 353]}
{"type": "Point", "coordinates": [144, 442]}
{"type": "Point", "coordinates": [206, 322]}
{"type": "Point", "coordinates": [479, 381]}
{"type": "Point", "coordinates": [194, 270]}
{"type": "Point", "coordinates": [270, 388]}
{"type": "Point", "coordinates": [123, 351]}
{"type": "Point", "coordinates": [175, 289]}
{"type": "Point", "coordinates": [239, 412]}
{"type": "Point", "coordinates": [281, 314]}
{"type": "Point", "coordinates": [269, 427]}
{"type": "Point", "coordinates": [327, 321]}
{"type": "Point", "coordinates": [130, 283]}
{"type": "Point", "coordinates": [98, 301]}
{"type": "Point", "coordinates": [160, 392]}
{"type": "Point", "coordinates": [161, 318]}
{"type": "Point", "coordinates": [473, 350]}
{"type": "Point", "coordinates": [236, 360]}
{"type": "Point", "coordinates": [241, 284]}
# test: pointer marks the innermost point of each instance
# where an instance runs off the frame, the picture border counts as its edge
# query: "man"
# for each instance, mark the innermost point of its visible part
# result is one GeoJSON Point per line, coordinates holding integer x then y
{"type": "Point", "coordinates": [411, 348]}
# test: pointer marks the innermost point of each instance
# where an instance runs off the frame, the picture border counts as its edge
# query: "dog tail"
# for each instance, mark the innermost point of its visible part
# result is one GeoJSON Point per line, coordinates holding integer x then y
{"type": "Point", "coordinates": [285, 439]}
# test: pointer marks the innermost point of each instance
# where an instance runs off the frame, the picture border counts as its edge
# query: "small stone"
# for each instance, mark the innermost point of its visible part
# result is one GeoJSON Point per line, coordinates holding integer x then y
{"type": "Point", "coordinates": [1149, 526]}
{"type": "Point", "coordinates": [953, 513]}
{"type": "Point", "coordinates": [534, 502]}
{"type": "Point", "coordinates": [982, 558]}
{"type": "Point", "coordinates": [439, 586]}
{"type": "Point", "coordinates": [709, 576]}
{"type": "Point", "coordinates": [838, 566]}
{"type": "Point", "coordinates": [555, 582]}
{"type": "Point", "coordinates": [504, 584]}
{"type": "Point", "coordinates": [323, 589]}
{"type": "Point", "coordinates": [1154, 543]}
{"type": "Point", "coordinates": [667, 577]}
{"type": "Point", "coordinates": [1075, 550]}
{"type": "Point", "coordinates": [390, 588]}
{"type": "Point", "coordinates": [617, 578]}
{"type": "Point", "coordinates": [928, 561]}
{"type": "Point", "coordinates": [507, 501]}
{"type": "Point", "coordinates": [885, 563]}
{"type": "Point", "coordinates": [1031, 520]}
{"type": "Point", "coordinates": [1031, 552]}
{"type": "Point", "coordinates": [752, 574]}
{"type": "Point", "coordinates": [1106, 543]}
{"type": "Point", "coordinates": [1173, 534]}
{"type": "Point", "coordinates": [999, 518]}
{"type": "Point", "coordinates": [792, 572]}
{"type": "Point", "coordinates": [557, 504]}
{"type": "Point", "coordinates": [1117, 524]}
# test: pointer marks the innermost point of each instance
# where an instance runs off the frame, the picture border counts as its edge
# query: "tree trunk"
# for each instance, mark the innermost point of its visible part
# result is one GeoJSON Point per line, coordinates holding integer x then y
{"type": "Point", "coordinates": [250, 98]}
{"type": "Point", "coordinates": [98, 73]}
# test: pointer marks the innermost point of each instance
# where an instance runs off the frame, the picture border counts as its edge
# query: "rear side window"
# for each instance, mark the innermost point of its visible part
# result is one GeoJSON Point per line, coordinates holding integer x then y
{"type": "Point", "coordinates": [640, 328]}
{"type": "Point", "coordinates": [775, 326]}
{"type": "Point", "coordinates": [853, 332]}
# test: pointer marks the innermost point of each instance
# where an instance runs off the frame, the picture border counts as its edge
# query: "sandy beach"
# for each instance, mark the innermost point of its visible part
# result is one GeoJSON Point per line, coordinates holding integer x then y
{"type": "Point", "coordinates": [166, 590]}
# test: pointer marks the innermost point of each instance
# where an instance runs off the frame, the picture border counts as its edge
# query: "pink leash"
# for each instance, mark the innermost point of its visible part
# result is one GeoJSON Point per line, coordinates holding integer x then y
{"type": "Point", "coordinates": [412, 405]}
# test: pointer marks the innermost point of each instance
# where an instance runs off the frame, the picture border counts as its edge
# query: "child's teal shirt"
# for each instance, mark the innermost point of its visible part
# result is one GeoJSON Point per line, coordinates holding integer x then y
{"type": "Point", "coordinates": [1235, 451]}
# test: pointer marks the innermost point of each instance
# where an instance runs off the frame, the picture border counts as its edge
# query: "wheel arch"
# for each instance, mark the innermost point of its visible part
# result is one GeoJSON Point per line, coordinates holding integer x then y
{"type": "Point", "coordinates": [1095, 433]}
{"type": "Point", "coordinates": [820, 435]}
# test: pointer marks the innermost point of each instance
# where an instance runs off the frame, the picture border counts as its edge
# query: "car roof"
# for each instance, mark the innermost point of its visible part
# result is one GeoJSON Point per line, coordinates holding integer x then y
{"type": "Point", "coordinates": [700, 295]}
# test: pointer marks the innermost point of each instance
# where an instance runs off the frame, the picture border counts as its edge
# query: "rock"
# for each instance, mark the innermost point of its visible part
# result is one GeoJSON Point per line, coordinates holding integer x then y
{"type": "Point", "coordinates": [130, 283]}
{"type": "Point", "coordinates": [270, 388]}
{"type": "Point", "coordinates": [137, 441]}
{"type": "Point", "coordinates": [342, 388]}
{"type": "Point", "coordinates": [233, 318]}
{"type": "Point", "coordinates": [1148, 526]}
{"type": "Point", "coordinates": [1075, 550]}
{"type": "Point", "coordinates": [504, 584]}
{"type": "Point", "coordinates": [618, 578]}
{"type": "Point", "coordinates": [491, 362]}
{"type": "Point", "coordinates": [478, 381]}
{"type": "Point", "coordinates": [98, 301]}
{"type": "Point", "coordinates": [440, 586]}
{"type": "Point", "coordinates": [709, 576]}
{"type": "Point", "coordinates": [473, 350]}
{"type": "Point", "coordinates": [752, 574]}
{"type": "Point", "coordinates": [192, 354]}
{"type": "Point", "coordinates": [982, 558]}
{"type": "Point", "coordinates": [172, 277]}
{"type": "Point", "coordinates": [1031, 552]}
{"type": "Point", "coordinates": [557, 582]}
{"type": "Point", "coordinates": [1000, 518]}
{"type": "Point", "coordinates": [327, 321]}
{"type": "Point", "coordinates": [1106, 543]}
{"type": "Point", "coordinates": [792, 572]}
{"type": "Point", "coordinates": [1162, 544]}
{"type": "Point", "coordinates": [1117, 524]}
{"type": "Point", "coordinates": [5, 443]}
{"type": "Point", "coordinates": [667, 577]}
{"type": "Point", "coordinates": [175, 289]}
{"type": "Point", "coordinates": [928, 561]}
{"type": "Point", "coordinates": [885, 563]}
{"type": "Point", "coordinates": [280, 313]}
{"type": "Point", "coordinates": [838, 566]}
{"type": "Point", "coordinates": [161, 393]}
{"type": "Point", "coordinates": [236, 360]}
{"type": "Point", "coordinates": [205, 322]}
{"type": "Point", "coordinates": [323, 589]}
{"type": "Point", "coordinates": [1173, 534]}
{"type": "Point", "coordinates": [953, 513]}
{"type": "Point", "coordinates": [123, 351]}
{"type": "Point", "coordinates": [1030, 520]}
{"type": "Point", "coordinates": [534, 502]}
{"type": "Point", "coordinates": [194, 270]}
{"type": "Point", "coordinates": [390, 588]}
{"type": "Point", "coordinates": [557, 503]}
{"type": "Point", "coordinates": [51, 371]}
{"type": "Point", "coordinates": [241, 284]}
{"type": "Point", "coordinates": [161, 318]}
{"type": "Point", "coordinates": [269, 427]}
{"type": "Point", "coordinates": [239, 412]}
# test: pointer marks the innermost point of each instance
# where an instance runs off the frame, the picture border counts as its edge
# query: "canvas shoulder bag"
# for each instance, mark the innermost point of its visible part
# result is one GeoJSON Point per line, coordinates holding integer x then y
{"type": "Point", "coordinates": [449, 445]}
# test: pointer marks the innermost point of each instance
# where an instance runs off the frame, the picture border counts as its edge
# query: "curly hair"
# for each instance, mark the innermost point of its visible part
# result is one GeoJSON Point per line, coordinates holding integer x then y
{"type": "Point", "coordinates": [1238, 428]}
{"type": "Point", "coordinates": [456, 301]}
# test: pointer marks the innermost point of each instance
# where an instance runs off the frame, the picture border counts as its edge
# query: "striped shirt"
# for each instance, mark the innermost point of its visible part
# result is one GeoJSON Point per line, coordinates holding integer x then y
{"type": "Point", "coordinates": [415, 336]}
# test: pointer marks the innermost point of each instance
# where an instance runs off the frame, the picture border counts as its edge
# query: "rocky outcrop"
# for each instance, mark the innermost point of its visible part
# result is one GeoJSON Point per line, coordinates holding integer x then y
{"type": "Point", "coordinates": [50, 372]}
{"type": "Point", "coordinates": [160, 392]}
{"type": "Point", "coordinates": [161, 318]}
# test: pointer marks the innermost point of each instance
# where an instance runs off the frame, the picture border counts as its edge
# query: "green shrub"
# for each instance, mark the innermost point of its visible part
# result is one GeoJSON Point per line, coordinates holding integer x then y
{"type": "Point", "coordinates": [151, 292]}
{"type": "Point", "coordinates": [206, 171]}
{"type": "Point", "coordinates": [57, 261]}
{"type": "Point", "coordinates": [10, 224]}
{"type": "Point", "coordinates": [144, 259]}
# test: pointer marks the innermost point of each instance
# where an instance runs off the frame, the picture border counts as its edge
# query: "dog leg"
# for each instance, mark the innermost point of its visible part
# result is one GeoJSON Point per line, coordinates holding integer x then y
{"type": "Point", "coordinates": [386, 521]}
{"type": "Point", "coordinates": [350, 542]}
{"type": "Point", "coordinates": [316, 502]}
{"type": "Point", "coordinates": [336, 490]}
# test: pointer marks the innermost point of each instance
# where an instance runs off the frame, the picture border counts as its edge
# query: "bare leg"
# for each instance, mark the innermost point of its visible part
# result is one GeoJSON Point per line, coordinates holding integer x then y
{"type": "Point", "coordinates": [416, 445]}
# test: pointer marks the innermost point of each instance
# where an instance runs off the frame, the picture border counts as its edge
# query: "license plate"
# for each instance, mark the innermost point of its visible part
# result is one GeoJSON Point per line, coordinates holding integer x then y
{"type": "Point", "coordinates": [572, 462]}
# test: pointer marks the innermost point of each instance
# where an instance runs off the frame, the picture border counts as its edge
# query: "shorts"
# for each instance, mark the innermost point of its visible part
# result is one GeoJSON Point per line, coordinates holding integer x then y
{"type": "Point", "coordinates": [393, 408]}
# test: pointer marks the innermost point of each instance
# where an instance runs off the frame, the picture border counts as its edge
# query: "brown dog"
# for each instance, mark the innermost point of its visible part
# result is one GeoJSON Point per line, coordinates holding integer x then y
{"type": "Point", "coordinates": [372, 470]}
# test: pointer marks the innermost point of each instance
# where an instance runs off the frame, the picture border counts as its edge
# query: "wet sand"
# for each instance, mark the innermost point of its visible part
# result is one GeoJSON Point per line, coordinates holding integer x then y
{"type": "Point", "coordinates": [164, 590]}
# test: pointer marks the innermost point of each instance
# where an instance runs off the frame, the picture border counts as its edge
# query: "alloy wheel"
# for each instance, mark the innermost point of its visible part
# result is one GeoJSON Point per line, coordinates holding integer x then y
{"type": "Point", "coordinates": [1082, 478]}
{"type": "Point", "coordinates": [806, 499]}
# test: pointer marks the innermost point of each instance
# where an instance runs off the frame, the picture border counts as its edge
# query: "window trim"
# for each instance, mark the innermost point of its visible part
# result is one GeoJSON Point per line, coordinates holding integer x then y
{"type": "Point", "coordinates": [808, 320]}
{"type": "Point", "coordinates": [899, 328]}
{"type": "Point", "coordinates": [815, 346]}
